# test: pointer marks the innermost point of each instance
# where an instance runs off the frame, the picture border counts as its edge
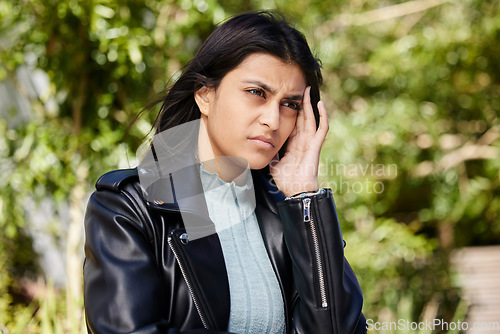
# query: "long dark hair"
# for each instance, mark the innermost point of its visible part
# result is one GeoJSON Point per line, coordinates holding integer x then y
{"type": "Point", "coordinates": [228, 45]}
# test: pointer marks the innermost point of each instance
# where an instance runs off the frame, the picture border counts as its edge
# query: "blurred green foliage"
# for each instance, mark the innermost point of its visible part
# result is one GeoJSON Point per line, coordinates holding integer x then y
{"type": "Point", "coordinates": [412, 156]}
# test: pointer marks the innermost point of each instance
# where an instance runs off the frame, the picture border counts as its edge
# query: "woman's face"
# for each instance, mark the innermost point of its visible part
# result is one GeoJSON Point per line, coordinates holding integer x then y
{"type": "Point", "coordinates": [253, 110]}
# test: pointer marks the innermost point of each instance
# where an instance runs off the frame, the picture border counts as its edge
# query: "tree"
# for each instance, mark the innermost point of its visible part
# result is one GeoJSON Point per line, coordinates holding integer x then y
{"type": "Point", "coordinates": [413, 85]}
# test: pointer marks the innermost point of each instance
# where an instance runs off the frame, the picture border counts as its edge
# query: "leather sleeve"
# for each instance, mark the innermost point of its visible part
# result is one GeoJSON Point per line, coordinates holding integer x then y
{"type": "Point", "coordinates": [329, 297]}
{"type": "Point", "coordinates": [123, 290]}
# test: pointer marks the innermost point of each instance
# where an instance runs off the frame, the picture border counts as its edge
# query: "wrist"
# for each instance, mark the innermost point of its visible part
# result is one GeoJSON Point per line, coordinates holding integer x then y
{"type": "Point", "coordinates": [303, 193]}
{"type": "Point", "coordinates": [295, 189]}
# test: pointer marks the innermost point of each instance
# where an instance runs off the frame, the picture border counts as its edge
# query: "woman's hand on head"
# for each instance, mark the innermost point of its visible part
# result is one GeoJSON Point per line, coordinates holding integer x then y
{"type": "Point", "coordinates": [297, 170]}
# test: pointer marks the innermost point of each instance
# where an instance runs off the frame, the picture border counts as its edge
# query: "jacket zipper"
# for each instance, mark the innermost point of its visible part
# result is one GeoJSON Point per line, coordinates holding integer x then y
{"type": "Point", "coordinates": [308, 218]}
{"type": "Point", "coordinates": [188, 283]}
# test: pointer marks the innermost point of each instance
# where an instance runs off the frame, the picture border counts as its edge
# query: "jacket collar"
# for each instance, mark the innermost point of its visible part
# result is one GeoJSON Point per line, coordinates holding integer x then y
{"type": "Point", "coordinates": [182, 190]}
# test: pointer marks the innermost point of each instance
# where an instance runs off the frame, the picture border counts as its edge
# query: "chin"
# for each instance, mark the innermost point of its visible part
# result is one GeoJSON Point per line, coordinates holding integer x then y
{"type": "Point", "coordinates": [258, 163]}
{"type": "Point", "coordinates": [259, 160]}
{"type": "Point", "coordinates": [258, 166]}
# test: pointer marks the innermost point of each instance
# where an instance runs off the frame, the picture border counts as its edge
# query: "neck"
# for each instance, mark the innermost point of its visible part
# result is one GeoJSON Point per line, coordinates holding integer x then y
{"type": "Point", "coordinates": [228, 168]}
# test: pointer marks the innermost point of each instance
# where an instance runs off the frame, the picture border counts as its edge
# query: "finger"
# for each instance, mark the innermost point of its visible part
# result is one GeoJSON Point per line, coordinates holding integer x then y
{"type": "Point", "coordinates": [323, 122]}
{"type": "Point", "coordinates": [299, 124]}
{"type": "Point", "coordinates": [309, 120]}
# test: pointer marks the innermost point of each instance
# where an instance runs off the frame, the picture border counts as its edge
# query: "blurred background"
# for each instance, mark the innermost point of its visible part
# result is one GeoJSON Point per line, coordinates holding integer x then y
{"type": "Point", "coordinates": [413, 154]}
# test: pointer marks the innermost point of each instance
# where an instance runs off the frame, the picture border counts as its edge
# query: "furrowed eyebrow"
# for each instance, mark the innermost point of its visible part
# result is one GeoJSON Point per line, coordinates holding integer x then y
{"type": "Point", "coordinates": [272, 90]}
{"type": "Point", "coordinates": [295, 97]}
{"type": "Point", "coordinates": [261, 85]}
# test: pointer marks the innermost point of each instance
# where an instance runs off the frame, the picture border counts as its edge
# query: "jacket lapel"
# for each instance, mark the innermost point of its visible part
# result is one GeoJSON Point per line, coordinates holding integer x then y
{"type": "Point", "coordinates": [200, 255]}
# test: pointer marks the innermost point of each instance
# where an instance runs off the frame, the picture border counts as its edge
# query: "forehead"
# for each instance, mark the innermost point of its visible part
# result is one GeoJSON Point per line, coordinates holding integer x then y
{"type": "Point", "coordinates": [270, 69]}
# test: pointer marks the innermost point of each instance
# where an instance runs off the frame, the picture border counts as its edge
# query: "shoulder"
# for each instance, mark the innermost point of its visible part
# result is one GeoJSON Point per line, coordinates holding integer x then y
{"type": "Point", "coordinates": [118, 191]}
{"type": "Point", "coordinates": [116, 180]}
{"type": "Point", "coordinates": [118, 204]}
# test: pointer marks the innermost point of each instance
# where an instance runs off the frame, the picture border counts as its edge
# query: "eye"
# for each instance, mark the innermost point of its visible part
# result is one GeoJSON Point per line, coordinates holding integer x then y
{"type": "Point", "coordinates": [258, 92]}
{"type": "Point", "coordinates": [292, 105]}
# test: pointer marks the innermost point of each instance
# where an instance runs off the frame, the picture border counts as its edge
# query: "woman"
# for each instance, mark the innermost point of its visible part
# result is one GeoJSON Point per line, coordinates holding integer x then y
{"type": "Point", "coordinates": [222, 228]}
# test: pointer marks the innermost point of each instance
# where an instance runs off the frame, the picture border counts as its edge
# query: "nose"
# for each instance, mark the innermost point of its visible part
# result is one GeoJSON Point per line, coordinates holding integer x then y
{"type": "Point", "coordinates": [270, 116]}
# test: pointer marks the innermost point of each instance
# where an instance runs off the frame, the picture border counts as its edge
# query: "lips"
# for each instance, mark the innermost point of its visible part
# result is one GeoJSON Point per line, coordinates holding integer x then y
{"type": "Point", "coordinates": [263, 141]}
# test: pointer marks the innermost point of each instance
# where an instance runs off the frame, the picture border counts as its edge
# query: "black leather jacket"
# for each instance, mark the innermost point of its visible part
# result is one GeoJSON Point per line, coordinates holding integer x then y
{"type": "Point", "coordinates": [140, 276]}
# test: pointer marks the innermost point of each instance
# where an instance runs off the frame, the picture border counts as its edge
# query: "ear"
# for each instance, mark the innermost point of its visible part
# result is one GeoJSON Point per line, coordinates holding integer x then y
{"type": "Point", "coordinates": [203, 98]}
